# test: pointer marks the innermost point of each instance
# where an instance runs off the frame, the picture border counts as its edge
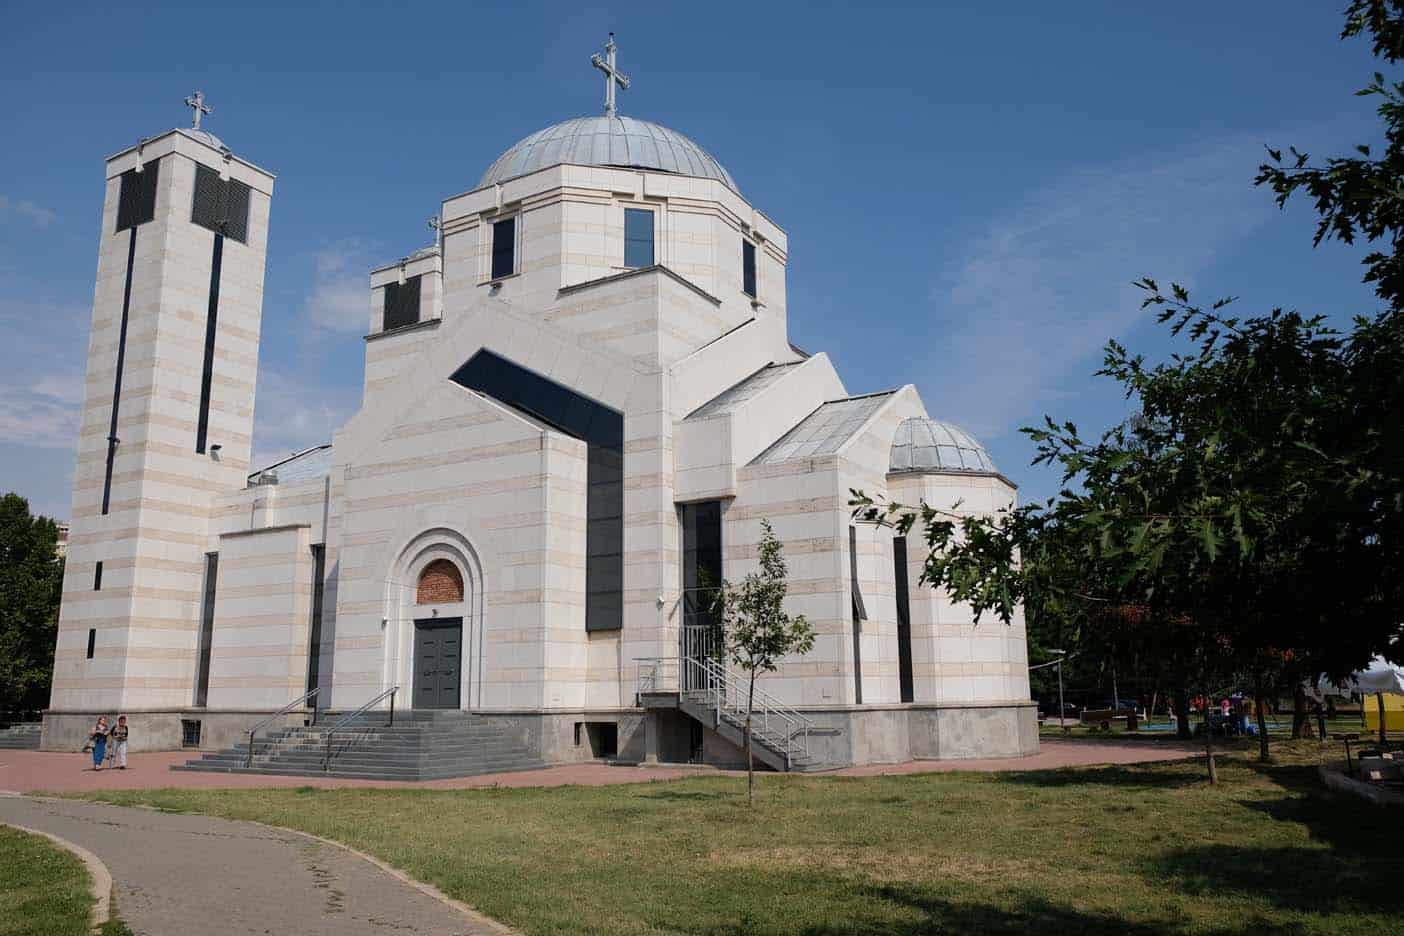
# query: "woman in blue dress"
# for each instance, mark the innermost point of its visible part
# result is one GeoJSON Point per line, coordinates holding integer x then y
{"type": "Point", "coordinates": [98, 740]}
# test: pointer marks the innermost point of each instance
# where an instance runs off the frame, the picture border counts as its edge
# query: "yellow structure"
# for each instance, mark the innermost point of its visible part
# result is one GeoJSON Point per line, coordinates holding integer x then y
{"type": "Point", "coordinates": [1394, 712]}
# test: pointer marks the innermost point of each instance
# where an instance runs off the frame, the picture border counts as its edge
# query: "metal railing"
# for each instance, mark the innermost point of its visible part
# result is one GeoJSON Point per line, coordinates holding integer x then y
{"type": "Point", "coordinates": [331, 732]}
{"type": "Point", "coordinates": [723, 690]}
{"type": "Point", "coordinates": [300, 700]}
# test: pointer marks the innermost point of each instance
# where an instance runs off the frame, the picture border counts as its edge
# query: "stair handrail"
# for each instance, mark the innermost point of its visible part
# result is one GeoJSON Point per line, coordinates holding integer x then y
{"type": "Point", "coordinates": [300, 700]}
{"type": "Point", "coordinates": [326, 757]}
{"type": "Point", "coordinates": [720, 682]}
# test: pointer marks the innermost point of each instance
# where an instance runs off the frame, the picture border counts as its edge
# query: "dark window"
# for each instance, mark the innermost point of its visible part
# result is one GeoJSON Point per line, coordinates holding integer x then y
{"type": "Point", "coordinates": [314, 644]}
{"type": "Point", "coordinates": [97, 577]}
{"type": "Point", "coordinates": [222, 205]}
{"type": "Point", "coordinates": [504, 248]}
{"type": "Point", "coordinates": [202, 424]}
{"type": "Point", "coordinates": [136, 203]}
{"type": "Point", "coordinates": [860, 614]}
{"type": "Point", "coordinates": [92, 641]}
{"type": "Point", "coordinates": [401, 303]}
{"type": "Point", "coordinates": [638, 237]}
{"type": "Point", "coordinates": [748, 268]}
{"type": "Point", "coordinates": [602, 430]}
{"type": "Point", "coordinates": [189, 732]}
{"type": "Point", "coordinates": [701, 561]}
{"type": "Point", "coordinates": [202, 673]}
{"type": "Point", "coordinates": [904, 618]}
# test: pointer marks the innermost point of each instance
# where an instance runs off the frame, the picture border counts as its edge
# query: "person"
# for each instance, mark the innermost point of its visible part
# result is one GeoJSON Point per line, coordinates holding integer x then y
{"type": "Point", "coordinates": [1319, 711]}
{"type": "Point", "coordinates": [119, 742]}
{"type": "Point", "coordinates": [97, 741]}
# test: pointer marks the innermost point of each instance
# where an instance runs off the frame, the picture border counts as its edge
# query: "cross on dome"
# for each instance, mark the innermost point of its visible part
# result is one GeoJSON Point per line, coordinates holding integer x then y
{"type": "Point", "coordinates": [196, 102]}
{"type": "Point", "coordinates": [612, 75]}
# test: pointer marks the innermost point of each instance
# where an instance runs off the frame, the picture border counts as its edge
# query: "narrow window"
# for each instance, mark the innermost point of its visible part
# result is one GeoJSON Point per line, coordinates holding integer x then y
{"type": "Point", "coordinates": [504, 248]}
{"type": "Point", "coordinates": [860, 614]}
{"type": "Point", "coordinates": [748, 268]}
{"type": "Point", "coordinates": [92, 641]}
{"type": "Point", "coordinates": [401, 303]}
{"type": "Point", "coordinates": [638, 237]}
{"type": "Point", "coordinates": [904, 618]}
{"type": "Point", "coordinates": [314, 648]}
{"type": "Point", "coordinates": [97, 576]}
{"type": "Point", "coordinates": [202, 673]}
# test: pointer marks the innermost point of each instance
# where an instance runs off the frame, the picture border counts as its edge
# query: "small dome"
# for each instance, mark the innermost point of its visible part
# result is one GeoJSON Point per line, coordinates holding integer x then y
{"type": "Point", "coordinates": [607, 141]}
{"type": "Point", "coordinates": [923, 444]}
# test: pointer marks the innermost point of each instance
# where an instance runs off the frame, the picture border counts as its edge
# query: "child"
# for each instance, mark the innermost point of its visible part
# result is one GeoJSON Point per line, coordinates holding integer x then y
{"type": "Point", "coordinates": [119, 741]}
{"type": "Point", "coordinates": [98, 741]}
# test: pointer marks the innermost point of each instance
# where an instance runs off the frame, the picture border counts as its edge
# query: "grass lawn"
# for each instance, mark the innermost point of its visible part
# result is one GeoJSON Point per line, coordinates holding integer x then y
{"type": "Point", "coordinates": [1138, 850]}
{"type": "Point", "coordinates": [44, 890]}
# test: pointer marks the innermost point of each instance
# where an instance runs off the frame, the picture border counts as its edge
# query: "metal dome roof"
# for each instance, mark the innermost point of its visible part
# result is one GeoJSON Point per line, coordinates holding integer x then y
{"type": "Point", "coordinates": [607, 141]}
{"type": "Point", "coordinates": [923, 444]}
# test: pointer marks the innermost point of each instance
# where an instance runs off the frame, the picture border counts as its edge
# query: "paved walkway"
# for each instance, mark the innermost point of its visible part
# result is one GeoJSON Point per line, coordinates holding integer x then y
{"type": "Point", "coordinates": [34, 771]}
{"type": "Point", "coordinates": [175, 875]}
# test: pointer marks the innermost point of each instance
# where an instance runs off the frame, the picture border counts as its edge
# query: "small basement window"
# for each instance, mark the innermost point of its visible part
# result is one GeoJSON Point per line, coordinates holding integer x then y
{"type": "Point", "coordinates": [189, 732]}
{"type": "Point", "coordinates": [604, 739]}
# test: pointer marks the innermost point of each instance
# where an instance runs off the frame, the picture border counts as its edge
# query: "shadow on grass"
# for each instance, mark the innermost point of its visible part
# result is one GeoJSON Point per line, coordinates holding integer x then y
{"type": "Point", "coordinates": [686, 795]}
{"type": "Point", "coordinates": [1168, 776]}
{"type": "Point", "coordinates": [1033, 915]}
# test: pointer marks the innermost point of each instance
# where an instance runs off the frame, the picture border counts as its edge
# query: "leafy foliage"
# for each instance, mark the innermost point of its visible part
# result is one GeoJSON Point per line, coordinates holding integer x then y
{"type": "Point", "coordinates": [31, 581]}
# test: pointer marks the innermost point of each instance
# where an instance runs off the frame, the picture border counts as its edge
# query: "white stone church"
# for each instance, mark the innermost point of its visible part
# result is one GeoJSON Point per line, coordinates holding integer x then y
{"type": "Point", "coordinates": [580, 403]}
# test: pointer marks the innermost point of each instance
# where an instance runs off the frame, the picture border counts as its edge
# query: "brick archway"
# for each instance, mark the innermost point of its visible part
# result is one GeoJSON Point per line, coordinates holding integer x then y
{"type": "Point", "coordinates": [439, 583]}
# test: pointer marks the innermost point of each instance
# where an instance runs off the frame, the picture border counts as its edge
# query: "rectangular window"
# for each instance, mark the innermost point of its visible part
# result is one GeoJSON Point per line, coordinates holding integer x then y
{"type": "Point", "coordinates": [602, 430]}
{"type": "Point", "coordinates": [904, 619]}
{"type": "Point", "coordinates": [314, 648]}
{"type": "Point", "coordinates": [401, 304]}
{"type": "Point", "coordinates": [748, 268]}
{"type": "Point", "coordinates": [222, 205]}
{"type": "Point", "coordinates": [638, 237]}
{"type": "Point", "coordinates": [504, 248]}
{"type": "Point", "coordinates": [202, 673]}
{"type": "Point", "coordinates": [136, 202]}
{"type": "Point", "coordinates": [701, 560]}
{"type": "Point", "coordinates": [97, 576]}
{"type": "Point", "coordinates": [860, 614]}
{"type": "Point", "coordinates": [92, 641]}
{"type": "Point", "coordinates": [189, 732]}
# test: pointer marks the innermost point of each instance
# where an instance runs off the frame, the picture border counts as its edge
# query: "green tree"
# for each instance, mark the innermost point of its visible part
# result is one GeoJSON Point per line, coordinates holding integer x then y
{"type": "Point", "coordinates": [1251, 509]}
{"type": "Point", "coordinates": [757, 630]}
{"type": "Point", "coordinates": [31, 582]}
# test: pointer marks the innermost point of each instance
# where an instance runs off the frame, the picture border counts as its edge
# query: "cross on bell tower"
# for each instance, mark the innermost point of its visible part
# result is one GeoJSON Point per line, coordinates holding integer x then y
{"type": "Point", "coordinates": [612, 75]}
{"type": "Point", "coordinates": [196, 102]}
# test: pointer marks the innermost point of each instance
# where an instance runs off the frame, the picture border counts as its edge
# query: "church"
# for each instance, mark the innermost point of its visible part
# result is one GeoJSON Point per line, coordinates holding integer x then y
{"type": "Point", "coordinates": [580, 403]}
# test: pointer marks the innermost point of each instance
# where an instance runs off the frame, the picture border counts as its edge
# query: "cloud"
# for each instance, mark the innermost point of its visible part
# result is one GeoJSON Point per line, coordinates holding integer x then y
{"type": "Point", "coordinates": [340, 298]}
{"type": "Point", "coordinates": [1043, 286]}
{"type": "Point", "coordinates": [293, 414]}
{"type": "Point", "coordinates": [26, 209]}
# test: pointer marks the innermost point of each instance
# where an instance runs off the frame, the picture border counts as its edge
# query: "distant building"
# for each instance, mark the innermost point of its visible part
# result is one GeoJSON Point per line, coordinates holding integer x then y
{"type": "Point", "coordinates": [61, 547]}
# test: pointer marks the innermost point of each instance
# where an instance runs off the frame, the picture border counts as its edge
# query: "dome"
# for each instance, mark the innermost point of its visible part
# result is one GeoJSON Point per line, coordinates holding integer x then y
{"type": "Point", "coordinates": [607, 141]}
{"type": "Point", "coordinates": [923, 444]}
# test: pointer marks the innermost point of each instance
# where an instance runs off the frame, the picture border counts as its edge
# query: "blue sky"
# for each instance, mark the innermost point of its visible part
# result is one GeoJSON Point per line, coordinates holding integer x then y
{"type": "Point", "coordinates": [968, 189]}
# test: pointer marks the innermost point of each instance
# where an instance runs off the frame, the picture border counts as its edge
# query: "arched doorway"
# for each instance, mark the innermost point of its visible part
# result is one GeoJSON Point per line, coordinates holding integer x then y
{"type": "Point", "coordinates": [433, 620]}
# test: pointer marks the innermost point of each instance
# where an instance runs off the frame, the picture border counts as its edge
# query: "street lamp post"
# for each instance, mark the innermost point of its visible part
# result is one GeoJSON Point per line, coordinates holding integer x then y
{"type": "Point", "coordinates": [1059, 664]}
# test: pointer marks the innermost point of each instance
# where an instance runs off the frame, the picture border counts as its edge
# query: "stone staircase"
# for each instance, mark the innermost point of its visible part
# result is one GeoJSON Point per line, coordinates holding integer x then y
{"type": "Point", "coordinates": [21, 737]}
{"type": "Point", "coordinates": [419, 746]}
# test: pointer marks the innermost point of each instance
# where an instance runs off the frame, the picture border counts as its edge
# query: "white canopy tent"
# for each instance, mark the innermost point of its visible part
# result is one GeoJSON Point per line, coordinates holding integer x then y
{"type": "Point", "coordinates": [1379, 678]}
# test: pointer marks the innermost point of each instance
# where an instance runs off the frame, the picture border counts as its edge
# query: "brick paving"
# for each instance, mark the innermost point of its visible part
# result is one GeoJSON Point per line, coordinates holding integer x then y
{"type": "Point", "coordinates": [31, 771]}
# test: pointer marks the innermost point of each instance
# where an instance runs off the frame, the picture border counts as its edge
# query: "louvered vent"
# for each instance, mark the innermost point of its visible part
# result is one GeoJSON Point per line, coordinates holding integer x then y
{"type": "Point", "coordinates": [137, 202]}
{"type": "Point", "coordinates": [222, 205]}
{"type": "Point", "coordinates": [401, 303]}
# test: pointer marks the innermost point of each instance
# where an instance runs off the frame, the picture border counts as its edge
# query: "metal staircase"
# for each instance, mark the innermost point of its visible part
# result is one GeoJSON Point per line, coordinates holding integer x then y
{"type": "Point", "coordinates": [712, 693]}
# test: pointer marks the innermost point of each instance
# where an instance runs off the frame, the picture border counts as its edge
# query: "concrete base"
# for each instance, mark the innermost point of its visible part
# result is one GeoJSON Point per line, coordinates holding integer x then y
{"type": "Point", "coordinates": [843, 736]}
{"type": "Point", "coordinates": [160, 730]}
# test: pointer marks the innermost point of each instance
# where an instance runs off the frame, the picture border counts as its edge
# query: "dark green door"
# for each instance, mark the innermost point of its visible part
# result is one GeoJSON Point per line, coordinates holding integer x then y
{"type": "Point", "coordinates": [438, 655]}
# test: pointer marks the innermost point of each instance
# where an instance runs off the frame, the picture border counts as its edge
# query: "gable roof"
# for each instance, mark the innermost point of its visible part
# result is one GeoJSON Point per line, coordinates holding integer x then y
{"type": "Point", "coordinates": [824, 431]}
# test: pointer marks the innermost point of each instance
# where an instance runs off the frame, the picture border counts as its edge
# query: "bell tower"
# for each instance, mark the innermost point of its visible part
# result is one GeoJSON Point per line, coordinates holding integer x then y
{"type": "Point", "coordinates": [167, 418]}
